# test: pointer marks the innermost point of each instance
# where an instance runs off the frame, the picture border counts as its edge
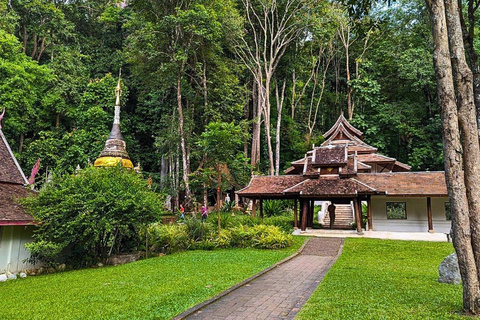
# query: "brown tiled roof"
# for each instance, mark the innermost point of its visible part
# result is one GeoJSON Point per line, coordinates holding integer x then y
{"type": "Point", "coordinates": [342, 121]}
{"type": "Point", "coordinates": [290, 170]}
{"type": "Point", "coordinates": [330, 186]}
{"type": "Point", "coordinates": [330, 156]}
{"type": "Point", "coordinates": [364, 148]}
{"type": "Point", "coordinates": [407, 183]}
{"type": "Point", "coordinates": [373, 158]}
{"type": "Point", "coordinates": [363, 166]}
{"type": "Point", "coordinates": [351, 167]}
{"type": "Point", "coordinates": [10, 171]}
{"type": "Point", "coordinates": [401, 167]}
{"type": "Point", "coordinates": [11, 212]}
{"type": "Point", "coordinates": [270, 185]}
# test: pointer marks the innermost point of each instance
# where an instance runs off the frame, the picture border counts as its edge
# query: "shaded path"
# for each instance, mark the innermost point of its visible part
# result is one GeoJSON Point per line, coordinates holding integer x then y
{"type": "Point", "coordinates": [279, 293]}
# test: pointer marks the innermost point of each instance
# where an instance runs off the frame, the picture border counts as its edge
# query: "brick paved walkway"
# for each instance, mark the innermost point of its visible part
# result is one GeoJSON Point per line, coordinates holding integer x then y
{"type": "Point", "coordinates": [281, 292]}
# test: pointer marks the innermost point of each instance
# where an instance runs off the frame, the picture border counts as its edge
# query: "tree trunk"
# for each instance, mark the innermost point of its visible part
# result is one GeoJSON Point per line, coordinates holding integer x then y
{"type": "Point", "coordinates": [186, 168]}
{"type": "Point", "coordinates": [467, 120]}
{"type": "Point", "coordinates": [266, 113]}
{"type": "Point", "coordinates": [461, 235]}
{"type": "Point", "coordinates": [280, 99]}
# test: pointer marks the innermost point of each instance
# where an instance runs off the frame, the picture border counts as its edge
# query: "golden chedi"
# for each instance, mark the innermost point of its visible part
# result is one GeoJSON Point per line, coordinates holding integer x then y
{"type": "Point", "coordinates": [115, 151]}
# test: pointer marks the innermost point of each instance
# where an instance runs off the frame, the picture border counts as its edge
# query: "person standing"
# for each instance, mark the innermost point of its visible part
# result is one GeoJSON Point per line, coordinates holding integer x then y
{"type": "Point", "coordinates": [331, 214]}
{"type": "Point", "coordinates": [204, 213]}
{"type": "Point", "coordinates": [182, 212]}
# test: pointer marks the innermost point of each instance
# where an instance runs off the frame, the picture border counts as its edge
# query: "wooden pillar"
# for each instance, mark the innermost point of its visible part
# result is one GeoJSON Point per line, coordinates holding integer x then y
{"type": "Point", "coordinates": [429, 214]}
{"type": "Point", "coordinates": [310, 214]}
{"type": "Point", "coordinates": [369, 213]}
{"type": "Point", "coordinates": [254, 207]}
{"type": "Point", "coordinates": [295, 214]}
{"type": "Point", "coordinates": [358, 217]}
{"type": "Point", "coordinates": [304, 215]}
{"type": "Point", "coordinates": [261, 208]}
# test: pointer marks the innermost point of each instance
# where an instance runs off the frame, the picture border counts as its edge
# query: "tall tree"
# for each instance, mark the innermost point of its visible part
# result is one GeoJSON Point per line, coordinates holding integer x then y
{"type": "Point", "coordinates": [272, 27]}
{"type": "Point", "coordinates": [461, 146]}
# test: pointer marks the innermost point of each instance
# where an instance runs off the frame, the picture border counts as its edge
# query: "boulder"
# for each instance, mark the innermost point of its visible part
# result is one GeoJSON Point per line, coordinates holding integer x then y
{"type": "Point", "coordinates": [11, 276]}
{"type": "Point", "coordinates": [123, 258]}
{"type": "Point", "coordinates": [448, 270]}
{"type": "Point", "coordinates": [23, 275]}
{"type": "Point", "coordinates": [3, 277]}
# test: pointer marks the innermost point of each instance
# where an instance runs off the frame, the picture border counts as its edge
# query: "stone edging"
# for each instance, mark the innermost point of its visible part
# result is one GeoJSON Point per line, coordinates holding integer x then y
{"type": "Point", "coordinates": [202, 305]}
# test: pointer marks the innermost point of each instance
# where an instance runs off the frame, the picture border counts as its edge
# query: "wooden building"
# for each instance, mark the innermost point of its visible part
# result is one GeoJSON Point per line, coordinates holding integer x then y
{"type": "Point", "coordinates": [348, 172]}
{"type": "Point", "coordinates": [16, 226]}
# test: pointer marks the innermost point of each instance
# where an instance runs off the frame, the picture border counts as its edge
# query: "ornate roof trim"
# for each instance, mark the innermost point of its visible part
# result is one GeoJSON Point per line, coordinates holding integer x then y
{"type": "Point", "coordinates": [342, 120]}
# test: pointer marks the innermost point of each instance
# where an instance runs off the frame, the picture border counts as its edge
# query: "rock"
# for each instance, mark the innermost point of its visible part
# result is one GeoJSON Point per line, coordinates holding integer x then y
{"type": "Point", "coordinates": [40, 270]}
{"type": "Point", "coordinates": [31, 272]}
{"type": "Point", "coordinates": [448, 270]}
{"type": "Point", "coordinates": [23, 275]}
{"type": "Point", "coordinates": [11, 276]}
{"type": "Point", "coordinates": [122, 259]}
{"type": "Point", "coordinates": [62, 267]}
{"type": "Point", "coordinates": [51, 270]}
{"type": "Point", "coordinates": [100, 264]}
{"type": "Point", "coordinates": [3, 277]}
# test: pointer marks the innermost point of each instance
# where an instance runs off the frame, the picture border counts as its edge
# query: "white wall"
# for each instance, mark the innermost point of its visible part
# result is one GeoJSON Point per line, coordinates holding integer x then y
{"type": "Point", "coordinates": [12, 247]}
{"type": "Point", "coordinates": [417, 220]}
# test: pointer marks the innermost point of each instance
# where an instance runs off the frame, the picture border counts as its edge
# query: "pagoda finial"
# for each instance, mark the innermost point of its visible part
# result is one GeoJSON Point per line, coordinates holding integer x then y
{"type": "Point", "coordinates": [118, 93]}
{"type": "Point", "coordinates": [1, 116]}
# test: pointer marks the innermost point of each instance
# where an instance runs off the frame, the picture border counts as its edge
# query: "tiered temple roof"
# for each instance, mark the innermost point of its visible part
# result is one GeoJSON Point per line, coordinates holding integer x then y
{"type": "Point", "coordinates": [12, 187]}
{"type": "Point", "coordinates": [345, 166]}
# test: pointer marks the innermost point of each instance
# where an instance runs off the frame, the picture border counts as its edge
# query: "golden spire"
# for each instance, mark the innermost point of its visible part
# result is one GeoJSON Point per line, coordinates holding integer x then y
{"type": "Point", "coordinates": [115, 150]}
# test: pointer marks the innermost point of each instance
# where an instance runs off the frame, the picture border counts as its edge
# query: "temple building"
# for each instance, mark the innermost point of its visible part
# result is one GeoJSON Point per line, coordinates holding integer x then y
{"type": "Point", "coordinates": [16, 226]}
{"type": "Point", "coordinates": [347, 172]}
{"type": "Point", "coordinates": [115, 150]}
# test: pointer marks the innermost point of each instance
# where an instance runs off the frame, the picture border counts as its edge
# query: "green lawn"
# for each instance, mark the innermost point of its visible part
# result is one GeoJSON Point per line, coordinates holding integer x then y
{"type": "Point", "coordinates": [157, 288]}
{"type": "Point", "coordinates": [385, 279]}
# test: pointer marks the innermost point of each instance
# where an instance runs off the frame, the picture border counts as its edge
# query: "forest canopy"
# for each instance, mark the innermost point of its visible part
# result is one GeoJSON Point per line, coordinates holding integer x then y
{"type": "Point", "coordinates": [275, 73]}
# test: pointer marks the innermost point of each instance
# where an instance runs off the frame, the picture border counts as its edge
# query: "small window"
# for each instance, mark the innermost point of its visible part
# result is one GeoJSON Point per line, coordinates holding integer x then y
{"type": "Point", "coordinates": [396, 210]}
{"type": "Point", "coordinates": [448, 212]}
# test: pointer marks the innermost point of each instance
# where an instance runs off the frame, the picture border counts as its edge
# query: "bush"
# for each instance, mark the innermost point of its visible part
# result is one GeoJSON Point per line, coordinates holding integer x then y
{"type": "Point", "coordinates": [98, 212]}
{"type": "Point", "coordinates": [195, 235]}
{"type": "Point", "coordinates": [273, 208]}
{"type": "Point", "coordinates": [270, 237]}
{"type": "Point", "coordinates": [44, 251]}
{"type": "Point", "coordinates": [286, 223]}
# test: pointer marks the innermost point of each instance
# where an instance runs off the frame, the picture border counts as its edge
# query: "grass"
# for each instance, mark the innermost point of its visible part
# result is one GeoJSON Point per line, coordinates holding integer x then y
{"type": "Point", "coordinates": [157, 288]}
{"type": "Point", "coordinates": [385, 279]}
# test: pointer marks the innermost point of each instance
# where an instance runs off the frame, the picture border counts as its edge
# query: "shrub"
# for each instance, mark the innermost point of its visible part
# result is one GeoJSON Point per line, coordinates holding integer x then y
{"type": "Point", "coordinates": [168, 238]}
{"type": "Point", "coordinates": [44, 251]}
{"type": "Point", "coordinates": [98, 211]}
{"type": "Point", "coordinates": [269, 237]}
{"type": "Point", "coordinates": [273, 208]}
{"type": "Point", "coordinates": [286, 223]}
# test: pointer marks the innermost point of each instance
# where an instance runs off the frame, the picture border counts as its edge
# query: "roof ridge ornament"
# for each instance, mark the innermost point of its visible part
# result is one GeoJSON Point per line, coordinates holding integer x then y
{"type": "Point", "coordinates": [1, 116]}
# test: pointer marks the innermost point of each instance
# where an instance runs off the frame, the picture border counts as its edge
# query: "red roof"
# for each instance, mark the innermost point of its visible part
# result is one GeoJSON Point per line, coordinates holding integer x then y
{"type": "Point", "coordinates": [407, 183]}
{"type": "Point", "coordinates": [330, 186]}
{"type": "Point", "coordinates": [12, 181]}
{"type": "Point", "coordinates": [11, 212]}
{"type": "Point", "coordinates": [330, 156]}
{"type": "Point", "coordinates": [10, 171]}
{"type": "Point", "coordinates": [270, 185]}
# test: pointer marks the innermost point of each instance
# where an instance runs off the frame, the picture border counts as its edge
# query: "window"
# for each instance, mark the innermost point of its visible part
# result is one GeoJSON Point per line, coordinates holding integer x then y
{"type": "Point", "coordinates": [448, 212]}
{"type": "Point", "coordinates": [396, 210]}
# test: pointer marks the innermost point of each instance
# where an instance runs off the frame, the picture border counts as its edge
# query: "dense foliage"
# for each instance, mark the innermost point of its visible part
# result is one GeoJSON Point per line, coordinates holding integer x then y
{"type": "Point", "coordinates": [94, 214]}
{"type": "Point", "coordinates": [207, 86]}
{"type": "Point", "coordinates": [235, 232]}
